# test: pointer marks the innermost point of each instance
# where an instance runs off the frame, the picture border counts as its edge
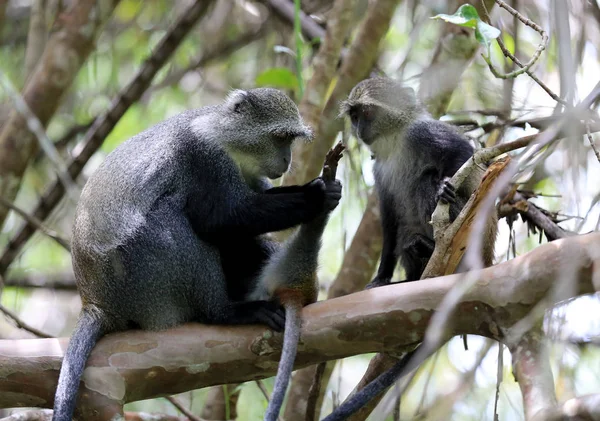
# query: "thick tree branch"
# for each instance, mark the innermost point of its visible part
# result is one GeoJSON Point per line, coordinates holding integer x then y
{"type": "Point", "coordinates": [358, 62]}
{"type": "Point", "coordinates": [135, 365]}
{"type": "Point", "coordinates": [66, 51]}
{"type": "Point", "coordinates": [531, 369]}
{"type": "Point", "coordinates": [581, 408]}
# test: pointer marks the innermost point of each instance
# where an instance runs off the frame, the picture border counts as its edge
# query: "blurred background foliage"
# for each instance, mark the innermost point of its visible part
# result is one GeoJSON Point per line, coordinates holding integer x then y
{"type": "Point", "coordinates": [245, 44]}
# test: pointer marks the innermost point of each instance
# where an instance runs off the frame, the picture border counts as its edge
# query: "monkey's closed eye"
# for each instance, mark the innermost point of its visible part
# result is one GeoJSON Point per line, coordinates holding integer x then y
{"type": "Point", "coordinates": [284, 138]}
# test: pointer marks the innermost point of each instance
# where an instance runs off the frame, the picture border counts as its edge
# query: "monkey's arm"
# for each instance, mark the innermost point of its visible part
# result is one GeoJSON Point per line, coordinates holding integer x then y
{"type": "Point", "coordinates": [250, 213]}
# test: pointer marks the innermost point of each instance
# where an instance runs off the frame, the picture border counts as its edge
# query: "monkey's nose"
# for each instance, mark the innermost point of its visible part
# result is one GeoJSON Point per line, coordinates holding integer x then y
{"type": "Point", "coordinates": [286, 161]}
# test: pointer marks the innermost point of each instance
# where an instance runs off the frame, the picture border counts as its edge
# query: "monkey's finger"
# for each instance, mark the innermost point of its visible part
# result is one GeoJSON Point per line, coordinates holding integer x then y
{"type": "Point", "coordinates": [272, 319]}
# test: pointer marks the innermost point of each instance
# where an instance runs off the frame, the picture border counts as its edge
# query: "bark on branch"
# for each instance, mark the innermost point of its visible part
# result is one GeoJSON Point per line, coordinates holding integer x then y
{"type": "Point", "coordinates": [65, 53]}
{"type": "Point", "coordinates": [135, 365]}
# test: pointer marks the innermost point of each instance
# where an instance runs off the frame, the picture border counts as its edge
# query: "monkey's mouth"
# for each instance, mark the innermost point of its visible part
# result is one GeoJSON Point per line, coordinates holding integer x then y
{"type": "Point", "coordinates": [275, 175]}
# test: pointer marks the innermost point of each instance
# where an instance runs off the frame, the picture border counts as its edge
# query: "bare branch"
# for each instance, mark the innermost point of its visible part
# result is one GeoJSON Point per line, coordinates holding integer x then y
{"type": "Point", "coordinates": [37, 224]}
{"type": "Point", "coordinates": [21, 324]}
{"type": "Point", "coordinates": [285, 9]}
{"type": "Point", "coordinates": [36, 127]}
{"type": "Point", "coordinates": [37, 36]}
{"type": "Point", "coordinates": [46, 415]}
{"type": "Point", "coordinates": [524, 68]}
{"type": "Point", "coordinates": [583, 407]}
{"type": "Point", "coordinates": [531, 369]}
{"type": "Point", "coordinates": [181, 408]}
{"type": "Point", "coordinates": [378, 320]}
{"type": "Point", "coordinates": [67, 49]}
{"type": "Point", "coordinates": [65, 281]}
{"type": "Point", "coordinates": [534, 215]}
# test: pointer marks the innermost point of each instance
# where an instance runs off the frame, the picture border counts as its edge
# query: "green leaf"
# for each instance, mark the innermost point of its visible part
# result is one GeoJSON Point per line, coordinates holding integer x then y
{"type": "Point", "coordinates": [485, 33]}
{"type": "Point", "coordinates": [278, 77]}
{"type": "Point", "coordinates": [467, 16]}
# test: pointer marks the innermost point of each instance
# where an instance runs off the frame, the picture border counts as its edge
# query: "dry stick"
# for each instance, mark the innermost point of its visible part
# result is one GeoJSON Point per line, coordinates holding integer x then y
{"type": "Point", "coordinates": [263, 389]}
{"type": "Point", "coordinates": [37, 128]}
{"type": "Point", "coordinates": [177, 404]}
{"type": "Point", "coordinates": [434, 334]}
{"type": "Point", "coordinates": [103, 125]}
{"type": "Point", "coordinates": [37, 224]}
{"type": "Point", "coordinates": [534, 215]}
{"type": "Point", "coordinates": [591, 140]}
{"type": "Point", "coordinates": [314, 392]}
{"type": "Point", "coordinates": [21, 324]}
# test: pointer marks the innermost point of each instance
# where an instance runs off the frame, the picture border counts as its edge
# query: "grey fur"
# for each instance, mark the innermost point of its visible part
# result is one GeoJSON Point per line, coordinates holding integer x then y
{"type": "Point", "coordinates": [168, 229]}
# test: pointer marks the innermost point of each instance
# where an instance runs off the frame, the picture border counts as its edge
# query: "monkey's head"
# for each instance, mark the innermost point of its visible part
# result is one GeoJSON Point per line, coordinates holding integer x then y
{"type": "Point", "coordinates": [380, 107]}
{"type": "Point", "coordinates": [260, 126]}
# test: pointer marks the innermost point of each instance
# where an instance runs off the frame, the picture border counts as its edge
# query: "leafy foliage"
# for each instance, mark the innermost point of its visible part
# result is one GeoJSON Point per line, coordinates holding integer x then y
{"type": "Point", "coordinates": [467, 17]}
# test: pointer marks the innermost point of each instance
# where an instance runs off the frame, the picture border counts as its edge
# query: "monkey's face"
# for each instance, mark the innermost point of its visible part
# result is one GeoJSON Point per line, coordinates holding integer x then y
{"type": "Point", "coordinates": [362, 118]}
{"type": "Point", "coordinates": [262, 124]}
{"type": "Point", "coordinates": [277, 157]}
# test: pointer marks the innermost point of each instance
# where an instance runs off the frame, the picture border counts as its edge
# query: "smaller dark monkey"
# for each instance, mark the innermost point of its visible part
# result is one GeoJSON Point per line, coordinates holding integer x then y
{"type": "Point", "coordinates": [415, 156]}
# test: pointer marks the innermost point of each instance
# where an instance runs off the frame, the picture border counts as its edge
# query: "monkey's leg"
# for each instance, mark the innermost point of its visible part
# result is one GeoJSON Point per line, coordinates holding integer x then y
{"type": "Point", "coordinates": [420, 247]}
{"type": "Point", "coordinates": [177, 278]}
{"type": "Point", "coordinates": [389, 256]}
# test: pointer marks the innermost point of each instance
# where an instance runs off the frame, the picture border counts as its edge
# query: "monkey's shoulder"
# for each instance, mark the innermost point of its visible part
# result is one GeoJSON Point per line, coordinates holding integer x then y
{"type": "Point", "coordinates": [433, 135]}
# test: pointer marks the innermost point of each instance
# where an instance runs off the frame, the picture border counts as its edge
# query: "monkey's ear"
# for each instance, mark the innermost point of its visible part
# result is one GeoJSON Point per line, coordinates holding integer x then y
{"type": "Point", "coordinates": [344, 108]}
{"type": "Point", "coordinates": [236, 100]}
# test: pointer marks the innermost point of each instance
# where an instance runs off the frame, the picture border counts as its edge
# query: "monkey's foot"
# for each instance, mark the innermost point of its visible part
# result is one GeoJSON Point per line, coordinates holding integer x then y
{"type": "Point", "coordinates": [446, 192]}
{"type": "Point", "coordinates": [378, 282]}
{"type": "Point", "coordinates": [271, 314]}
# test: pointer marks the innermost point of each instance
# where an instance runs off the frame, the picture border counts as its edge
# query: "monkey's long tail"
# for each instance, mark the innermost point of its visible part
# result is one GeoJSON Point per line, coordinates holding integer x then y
{"type": "Point", "coordinates": [85, 335]}
{"type": "Point", "coordinates": [381, 383]}
{"type": "Point", "coordinates": [291, 337]}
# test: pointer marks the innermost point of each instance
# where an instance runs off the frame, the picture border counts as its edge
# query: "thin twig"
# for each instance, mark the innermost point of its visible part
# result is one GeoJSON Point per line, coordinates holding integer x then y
{"type": "Point", "coordinates": [214, 53]}
{"type": "Point", "coordinates": [434, 361]}
{"type": "Point", "coordinates": [525, 68]}
{"type": "Point", "coordinates": [591, 140]}
{"type": "Point", "coordinates": [22, 325]}
{"type": "Point", "coordinates": [177, 404]}
{"type": "Point", "coordinates": [263, 389]}
{"type": "Point", "coordinates": [499, 375]}
{"type": "Point", "coordinates": [36, 127]}
{"type": "Point", "coordinates": [37, 224]}
{"type": "Point", "coordinates": [285, 9]}
{"type": "Point", "coordinates": [314, 392]}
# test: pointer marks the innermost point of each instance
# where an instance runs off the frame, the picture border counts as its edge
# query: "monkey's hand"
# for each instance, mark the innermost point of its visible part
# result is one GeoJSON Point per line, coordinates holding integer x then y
{"type": "Point", "coordinates": [447, 192]}
{"type": "Point", "coordinates": [378, 282]}
{"type": "Point", "coordinates": [322, 197]}
{"type": "Point", "coordinates": [333, 194]}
